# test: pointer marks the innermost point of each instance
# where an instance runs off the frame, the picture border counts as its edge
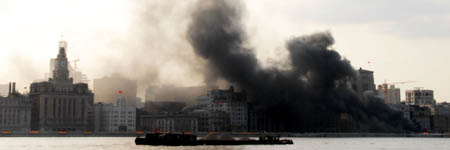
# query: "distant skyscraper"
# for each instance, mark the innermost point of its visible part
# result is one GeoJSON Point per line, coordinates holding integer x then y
{"type": "Point", "coordinates": [365, 81]}
{"type": "Point", "coordinates": [420, 97]}
{"type": "Point", "coordinates": [59, 104]}
{"type": "Point", "coordinates": [107, 89]}
{"type": "Point", "coordinates": [390, 95]}
{"type": "Point", "coordinates": [3, 89]}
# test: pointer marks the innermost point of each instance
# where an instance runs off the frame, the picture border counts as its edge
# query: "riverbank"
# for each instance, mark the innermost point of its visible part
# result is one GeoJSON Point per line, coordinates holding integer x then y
{"type": "Point", "coordinates": [306, 135]}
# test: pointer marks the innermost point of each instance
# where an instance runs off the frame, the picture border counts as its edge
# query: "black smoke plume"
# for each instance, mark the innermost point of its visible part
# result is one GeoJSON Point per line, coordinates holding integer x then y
{"type": "Point", "coordinates": [314, 94]}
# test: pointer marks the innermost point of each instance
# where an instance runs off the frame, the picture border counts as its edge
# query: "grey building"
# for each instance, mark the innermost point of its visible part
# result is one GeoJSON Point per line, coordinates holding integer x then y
{"type": "Point", "coordinates": [233, 103]}
{"type": "Point", "coordinates": [15, 112]}
{"type": "Point", "coordinates": [420, 97]}
{"type": "Point", "coordinates": [174, 93]}
{"type": "Point", "coordinates": [209, 121]}
{"type": "Point", "coordinates": [421, 117]}
{"type": "Point", "coordinates": [109, 89]}
{"type": "Point", "coordinates": [118, 118]}
{"type": "Point", "coordinates": [169, 123]}
{"type": "Point", "coordinates": [60, 105]}
{"type": "Point", "coordinates": [365, 81]}
{"type": "Point", "coordinates": [3, 89]}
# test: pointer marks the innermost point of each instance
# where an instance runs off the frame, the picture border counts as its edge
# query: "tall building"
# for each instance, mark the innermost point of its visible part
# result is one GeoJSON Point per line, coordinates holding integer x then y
{"type": "Point", "coordinates": [111, 118]}
{"type": "Point", "coordinates": [390, 95]}
{"type": "Point", "coordinates": [108, 89]}
{"type": "Point", "coordinates": [365, 81]}
{"type": "Point", "coordinates": [60, 105]}
{"type": "Point", "coordinates": [233, 103]}
{"type": "Point", "coordinates": [3, 89]}
{"type": "Point", "coordinates": [420, 97]}
{"type": "Point", "coordinates": [15, 112]}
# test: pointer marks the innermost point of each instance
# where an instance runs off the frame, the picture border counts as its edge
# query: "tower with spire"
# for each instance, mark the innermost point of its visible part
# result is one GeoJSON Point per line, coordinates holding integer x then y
{"type": "Point", "coordinates": [61, 71]}
{"type": "Point", "coordinates": [59, 105]}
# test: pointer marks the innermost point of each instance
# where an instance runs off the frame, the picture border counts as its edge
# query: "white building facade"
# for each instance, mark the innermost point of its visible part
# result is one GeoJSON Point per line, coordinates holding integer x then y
{"type": "Point", "coordinates": [234, 104]}
{"type": "Point", "coordinates": [118, 118]}
{"type": "Point", "coordinates": [420, 97]}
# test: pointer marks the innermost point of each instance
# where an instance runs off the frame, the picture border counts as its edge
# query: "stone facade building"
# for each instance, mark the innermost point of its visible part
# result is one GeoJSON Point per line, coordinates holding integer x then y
{"type": "Point", "coordinates": [60, 105]}
{"type": "Point", "coordinates": [15, 112]}
{"type": "Point", "coordinates": [365, 81]}
{"type": "Point", "coordinates": [234, 104]}
{"type": "Point", "coordinates": [119, 118]}
{"type": "Point", "coordinates": [175, 123]}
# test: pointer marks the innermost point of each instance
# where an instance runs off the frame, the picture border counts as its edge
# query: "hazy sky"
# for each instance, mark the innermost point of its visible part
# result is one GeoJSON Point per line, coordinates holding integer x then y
{"type": "Point", "coordinates": [145, 39]}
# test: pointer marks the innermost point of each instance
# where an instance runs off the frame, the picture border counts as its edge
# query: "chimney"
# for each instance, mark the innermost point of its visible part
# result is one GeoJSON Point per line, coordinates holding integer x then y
{"type": "Point", "coordinates": [9, 93]}
{"type": "Point", "coordinates": [14, 88]}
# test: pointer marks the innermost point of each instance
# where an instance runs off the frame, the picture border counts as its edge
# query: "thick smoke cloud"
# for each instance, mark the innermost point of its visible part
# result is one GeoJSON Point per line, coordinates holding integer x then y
{"type": "Point", "coordinates": [314, 94]}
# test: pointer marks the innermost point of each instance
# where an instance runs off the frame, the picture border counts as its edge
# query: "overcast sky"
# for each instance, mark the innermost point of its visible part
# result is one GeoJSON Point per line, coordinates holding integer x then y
{"type": "Point", "coordinates": [403, 40]}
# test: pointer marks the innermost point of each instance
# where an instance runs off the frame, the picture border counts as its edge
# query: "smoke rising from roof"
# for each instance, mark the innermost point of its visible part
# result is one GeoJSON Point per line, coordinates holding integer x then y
{"type": "Point", "coordinates": [313, 91]}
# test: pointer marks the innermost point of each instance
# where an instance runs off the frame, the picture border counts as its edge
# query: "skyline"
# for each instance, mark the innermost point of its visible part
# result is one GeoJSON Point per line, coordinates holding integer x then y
{"type": "Point", "coordinates": [115, 41]}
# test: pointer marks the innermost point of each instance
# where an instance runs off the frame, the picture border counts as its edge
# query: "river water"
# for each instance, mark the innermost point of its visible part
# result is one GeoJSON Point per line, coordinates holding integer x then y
{"type": "Point", "coordinates": [127, 143]}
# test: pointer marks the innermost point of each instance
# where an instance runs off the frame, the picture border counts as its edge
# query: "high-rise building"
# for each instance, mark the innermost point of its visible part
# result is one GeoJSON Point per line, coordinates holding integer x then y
{"type": "Point", "coordinates": [420, 97]}
{"type": "Point", "coordinates": [365, 81]}
{"type": "Point", "coordinates": [390, 95]}
{"type": "Point", "coordinates": [108, 89]}
{"type": "Point", "coordinates": [60, 105]}
{"type": "Point", "coordinates": [3, 89]}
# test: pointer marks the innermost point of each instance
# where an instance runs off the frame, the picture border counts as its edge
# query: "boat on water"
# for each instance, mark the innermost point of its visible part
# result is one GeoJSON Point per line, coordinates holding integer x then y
{"type": "Point", "coordinates": [191, 140]}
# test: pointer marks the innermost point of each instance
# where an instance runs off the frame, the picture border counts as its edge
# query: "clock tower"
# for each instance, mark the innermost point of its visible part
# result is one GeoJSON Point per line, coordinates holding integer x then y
{"type": "Point", "coordinates": [61, 71]}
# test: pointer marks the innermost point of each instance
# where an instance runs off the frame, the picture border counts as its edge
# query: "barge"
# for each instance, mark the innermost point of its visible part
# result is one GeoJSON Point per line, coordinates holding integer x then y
{"type": "Point", "coordinates": [158, 139]}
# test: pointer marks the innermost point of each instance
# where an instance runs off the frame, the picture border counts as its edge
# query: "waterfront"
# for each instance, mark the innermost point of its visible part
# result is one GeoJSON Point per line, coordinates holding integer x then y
{"type": "Point", "coordinates": [127, 143]}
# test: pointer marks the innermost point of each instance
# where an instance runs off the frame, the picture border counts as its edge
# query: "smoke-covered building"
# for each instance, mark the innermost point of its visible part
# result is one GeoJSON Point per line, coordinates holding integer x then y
{"type": "Point", "coordinates": [440, 121]}
{"type": "Point", "coordinates": [402, 107]}
{"type": "Point", "coordinates": [163, 107]}
{"type": "Point", "coordinates": [420, 97]}
{"type": "Point", "coordinates": [15, 112]}
{"type": "Point", "coordinates": [209, 121]}
{"type": "Point", "coordinates": [390, 95]}
{"type": "Point", "coordinates": [59, 104]}
{"type": "Point", "coordinates": [233, 103]}
{"type": "Point", "coordinates": [108, 89]}
{"type": "Point", "coordinates": [176, 123]}
{"type": "Point", "coordinates": [365, 81]}
{"type": "Point", "coordinates": [118, 118]}
{"type": "Point", "coordinates": [420, 117]}
{"type": "Point", "coordinates": [173, 93]}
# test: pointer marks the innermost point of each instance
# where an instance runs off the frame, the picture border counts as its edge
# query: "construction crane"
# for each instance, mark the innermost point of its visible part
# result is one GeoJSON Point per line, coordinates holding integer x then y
{"type": "Point", "coordinates": [75, 64]}
{"type": "Point", "coordinates": [384, 86]}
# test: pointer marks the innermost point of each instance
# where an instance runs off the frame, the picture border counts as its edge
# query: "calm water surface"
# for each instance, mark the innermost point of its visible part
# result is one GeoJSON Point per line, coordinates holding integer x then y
{"type": "Point", "coordinates": [127, 143]}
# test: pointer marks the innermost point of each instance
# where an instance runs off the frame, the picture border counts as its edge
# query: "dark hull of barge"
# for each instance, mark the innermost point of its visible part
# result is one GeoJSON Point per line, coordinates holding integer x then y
{"type": "Point", "coordinates": [191, 140]}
